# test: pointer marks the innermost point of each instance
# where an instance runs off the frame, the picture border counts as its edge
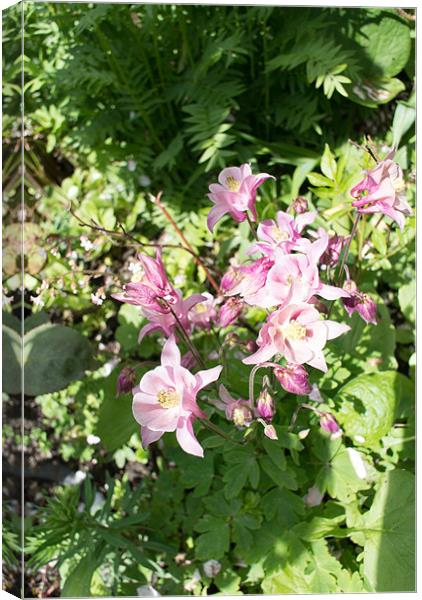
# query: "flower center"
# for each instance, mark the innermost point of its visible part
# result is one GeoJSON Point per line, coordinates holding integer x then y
{"type": "Point", "coordinates": [279, 235]}
{"type": "Point", "coordinates": [294, 331]}
{"type": "Point", "coordinates": [232, 183]}
{"type": "Point", "coordinates": [200, 308]}
{"type": "Point", "coordinates": [168, 398]}
{"type": "Point", "coordinates": [239, 417]}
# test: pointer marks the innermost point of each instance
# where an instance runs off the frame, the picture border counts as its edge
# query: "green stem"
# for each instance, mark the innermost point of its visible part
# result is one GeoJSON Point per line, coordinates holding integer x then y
{"type": "Point", "coordinates": [252, 226]}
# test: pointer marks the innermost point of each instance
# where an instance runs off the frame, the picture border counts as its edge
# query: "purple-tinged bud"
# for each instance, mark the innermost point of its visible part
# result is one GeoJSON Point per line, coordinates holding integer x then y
{"type": "Point", "coordinates": [294, 379]}
{"type": "Point", "coordinates": [300, 205]}
{"type": "Point", "coordinates": [313, 497]}
{"type": "Point", "coordinates": [125, 381]}
{"type": "Point", "coordinates": [251, 346]}
{"type": "Point", "coordinates": [329, 424]}
{"type": "Point", "coordinates": [360, 302]}
{"type": "Point", "coordinates": [230, 311]}
{"type": "Point", "coordinates": [335, 245]}
{"type": "Point", "coordinates": [265, 405]}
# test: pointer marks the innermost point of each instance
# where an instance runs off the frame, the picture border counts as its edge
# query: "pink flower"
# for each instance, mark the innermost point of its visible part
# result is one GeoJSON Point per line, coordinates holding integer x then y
{"type": "Point", "coordinates": [230, 311]}
{"type": "Point", "coordinates": [335, 245]}
{"type": "Point", "coordinates": [383, 190]}
{"type": "Point", "coordinates": [238, 411]}
{"type": "Point", "coordinates": [204, 313]}
{"type": "Point", "coordinates": [283, 234]}
{"type": "Point", "coordinates": [235, 194]}
{"type": "Point", "coordinates": [298, 333]}
{"type": "Point", "coordinates": [153, 290]}
{"type": "Point", "coordinates": [360, 302]}
{"type": "Point", "coordinates": [251, 279]}
{"type": "Point", "coordinates": [294, 278]}
{"type": "Point", "coordinates": [125, 381]}
{"type": "Point", "coordinates": [294, 379]}
{"type": "Point", "coordinates": [265, 405]}
{"type": "Point", "coordinates": [166, 322]}
{"type": "Point", "coordinates": [165, 399]}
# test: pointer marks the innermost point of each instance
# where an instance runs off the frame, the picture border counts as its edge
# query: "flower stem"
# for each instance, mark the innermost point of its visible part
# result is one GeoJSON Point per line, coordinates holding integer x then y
{"type": "Point", "coordinates": [346, 252]}
{"type": "Point", "coordinates": [252, 378]}
{"type": "Point", "coordinates": [209, 425]}
{"type": "Point", "coordinates": [252, 226]}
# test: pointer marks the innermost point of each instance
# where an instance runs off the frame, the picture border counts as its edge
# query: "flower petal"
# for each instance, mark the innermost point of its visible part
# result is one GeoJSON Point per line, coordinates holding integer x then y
{"type": "Point", "coordinates": [186, 437]}
{"type": "Point", "coordinates": [204, 378]}
{"type": "Point", "coordinates": [170, 356]}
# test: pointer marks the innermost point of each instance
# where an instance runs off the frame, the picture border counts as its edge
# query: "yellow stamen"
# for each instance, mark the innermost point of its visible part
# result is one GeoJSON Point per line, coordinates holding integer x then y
{"type": "Point", "coordinates": [200, 308]}
{"type": "Point", "coordinates": [168, 398]}
{"type": "Point", "coordinates": [279, 235]}
{"type": "Point", "coordinates": [232, 183]}
{"type": "Point", "coordinates": [294, 331]}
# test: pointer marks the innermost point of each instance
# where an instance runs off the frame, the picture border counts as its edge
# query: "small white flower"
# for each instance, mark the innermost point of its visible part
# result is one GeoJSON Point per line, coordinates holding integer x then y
{"type": "Point", "coordinates": [134, 267]}
{"type": "Point", "coordinates": [74, 478]}
{"type": "Point", "coordinates": [6, 300]}
{"type": "Point", "coordinates": [86, 243]}
{"type": "Point", "coordinates": [211, 568]}
{"type": "Point", "coordinates": [92, 440]}
{"type": "Point", "coordinates": [190, 585]}
{"type": "Point", "coordinates": [359, 438]}
{"type": "Point", "coordinates": [131, 165]}
{"type": "Point", "coordinates": [303, 434]}
{"type": "Point", "coordinates": [96, 300]}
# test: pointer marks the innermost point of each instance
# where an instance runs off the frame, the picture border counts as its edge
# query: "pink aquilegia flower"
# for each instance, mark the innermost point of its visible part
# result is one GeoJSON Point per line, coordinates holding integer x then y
{"type": "Point", "coordinates": [360, 302]}
{"type": "Point", "coordinates": [284, 233]}
{"type": "Point", "coordinates": [204, 313]}
{"type": "Point", "coordinates": [165, 400]}
{"type": "Point", "coordinates": [235, 193]}
{"type": "Point", "coordinates": [383, 190]}
{"type": "Point", "coordinates": [294, 379]}
{"type": "Point", "coordinates": [240, 412]}
{"type": "Point", "coordinates": [298, 333]}
{"type": "Point", "coordinates": [167, 322]}
{"type": "Point", "coordinates": [152, 289]}
{"type": "Point", "coordinates": [250, 280]}
{"type": "Point", "coordinates": [294, 278]}
{"type": "Point", "coordinates": [230, 311]}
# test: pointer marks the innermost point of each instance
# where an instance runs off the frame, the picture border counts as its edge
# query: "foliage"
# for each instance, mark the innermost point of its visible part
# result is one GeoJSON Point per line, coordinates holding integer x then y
{"type": "Point", "coordinates": [125, 100]}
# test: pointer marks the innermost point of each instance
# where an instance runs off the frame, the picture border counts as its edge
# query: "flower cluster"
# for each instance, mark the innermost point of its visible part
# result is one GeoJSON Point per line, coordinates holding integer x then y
{"type": "Point", "coordinates": [284, 276]}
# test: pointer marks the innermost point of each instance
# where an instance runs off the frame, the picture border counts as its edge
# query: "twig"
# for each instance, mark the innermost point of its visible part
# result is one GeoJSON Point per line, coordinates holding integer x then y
{"type": "Point", "coordinates": [157, 201]}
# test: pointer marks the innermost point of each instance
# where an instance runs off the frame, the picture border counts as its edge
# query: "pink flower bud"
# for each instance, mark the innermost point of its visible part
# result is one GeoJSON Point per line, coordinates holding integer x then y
{"type": "Point", "coordinates": [230, 311]}
{"type": "Point", "coordinates": [300, 205]}
{"type": "Point", "coordinates": [294, 379]}
{"type": "Point", "coordinates": [335, 245]}
{"type": "Point", "coordinates": [265, 405]}
{"type": "Point", "coordinates": [125, 380]}
{"type": "Point", "coordinates": [251, 346]}
{"type": "Point", "coordinates": [329, 424]}
{"type": "Point", "coordinates": [270, 432]}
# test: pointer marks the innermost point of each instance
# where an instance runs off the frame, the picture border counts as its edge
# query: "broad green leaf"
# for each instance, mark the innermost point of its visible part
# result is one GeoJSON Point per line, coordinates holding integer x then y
{"type": "Point", "coordinates": [404, 117]}
{"type": "Point", "coordinates": [367, 406]}
{"type": "Point", "coordinates": [116, 423]}
{"type": "Point", "coordinates": [390, 535]}
{"type": "Point", "coordinates": [372, 93]}
{"type": "Point", "coordinates": [386, 43]}
{"type": "Point", "coordinates": [214, 539]}
{"type": "Point", "coordinates": [54, 356]}
{"type": "Point", "coordinates": [340, 476]}
{"type": "Point", "coordinates": [407, 300]}
{"type": "Point", "coordinates": [78, 582]}
{"type": "Point", "coordinates": [328, 164]}
{"type": "Point", "coordinates": [11, 360]}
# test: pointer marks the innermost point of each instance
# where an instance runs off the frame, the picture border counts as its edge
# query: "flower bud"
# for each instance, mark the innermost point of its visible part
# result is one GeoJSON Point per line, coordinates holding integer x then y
{"type": "Point", "coordinates": [251, 346]}
{"type": "Point", "coordinates": [211, 567]}
{"type": "Point", "coordinates": [360, 302]}
{"type": "Point", "coordinates": [313, 497]}
{"type": "Point", "coordinates": [294, 379]}
{"type": "Point", "coordinates": [265, 405]}
{"type": "Point", "coordinates": [300, 205]}
{"type": "Point", "coordinates": [331, 255]}
{"type": "Point", "coordinates": [125, 381]}
{"type": "Point", "coordinates": [329, 424]}
{"type": "Point", "coordinates": [230, 311]}
{"type": "Point", "coordinates": [270, 432]}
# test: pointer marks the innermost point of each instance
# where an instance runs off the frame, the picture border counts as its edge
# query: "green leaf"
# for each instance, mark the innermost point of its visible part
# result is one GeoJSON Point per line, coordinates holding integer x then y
{"type": "Point", "coordinates": [378, 238]}
{"type": "Point", "coordinates": [78, 582]}
{"type": "Point", "coordinates": [319, 180]}
{"type": "Point", "coordinates": [386, 43]}
{"type": "Point", "coordinates": [390, 534]}
{"type": "Point", "coordinates": [54, 356]}
{"type": "Point", "coordinates": [214, 539]}
{"type": "Point", "coordinates": [116, 423]}
{"type": "Point", "coordinates": [367, 406]}
{"type": "Point", "coordinates": [11, 360]}
{"type": "Point", "coordinates": [328, 164]}
{"type": "Point", "coordinates": [38, 318]}
{"type": "Point", "coordinates": [404, 117]}
{"type": "Point", "coordinates": [284, 479]}
{"type": "Point", "coordinates": [407, 300]}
